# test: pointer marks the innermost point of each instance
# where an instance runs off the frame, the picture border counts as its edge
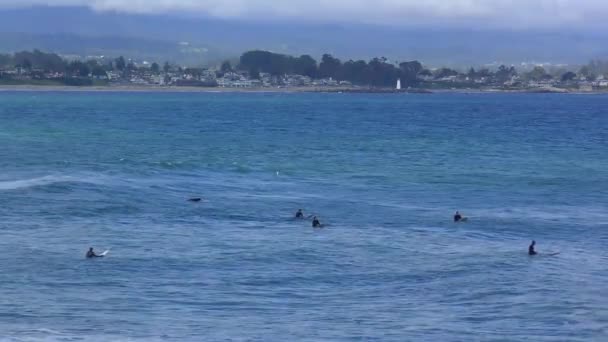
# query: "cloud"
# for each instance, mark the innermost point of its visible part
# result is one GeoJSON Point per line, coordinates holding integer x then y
{"type": "Point", "coordinates": [514, 14]}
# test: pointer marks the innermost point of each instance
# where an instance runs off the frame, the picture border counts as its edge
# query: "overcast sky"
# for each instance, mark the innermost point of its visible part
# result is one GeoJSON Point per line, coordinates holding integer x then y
{"type": "Point", "coordinates": [512, 14]}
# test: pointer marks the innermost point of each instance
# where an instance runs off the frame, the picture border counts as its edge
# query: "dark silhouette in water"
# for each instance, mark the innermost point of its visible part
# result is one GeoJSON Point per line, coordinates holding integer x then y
{"type": "Point", "coordinates": [299, 214]}
{"type": "Point", "coordinates": [531, 250]}
{"type": "Point", "coordinates": [197, 199]}
{"type": "Point", "coordinates": [316, 223]}
{"type": "Point", "coordinates": [91, 254]}
{"type": "Point", "coordinates": [457, 217]}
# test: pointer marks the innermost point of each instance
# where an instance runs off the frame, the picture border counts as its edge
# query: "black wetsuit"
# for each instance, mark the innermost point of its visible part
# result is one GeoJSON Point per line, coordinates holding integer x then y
{"type": "Point", "coordinates": [299, 214]}
{"type": "Point", "coordinates": [316, 224]}
{"type": "Point", "coordinates": [457, 218]}
{"type": "Point", "coordinates": [531, 250]}
{"type": "Point", "coordinates": [91, 254]}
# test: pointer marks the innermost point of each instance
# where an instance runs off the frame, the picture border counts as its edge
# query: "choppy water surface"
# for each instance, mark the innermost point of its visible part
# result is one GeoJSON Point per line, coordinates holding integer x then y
{"type": "Point", "coordinates": [386, 172]}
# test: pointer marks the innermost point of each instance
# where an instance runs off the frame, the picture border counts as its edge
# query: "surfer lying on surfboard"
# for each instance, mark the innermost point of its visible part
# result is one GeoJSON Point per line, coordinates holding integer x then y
{"type": "Point", "coordinates": [91, 254]}
{"type": "Point", "coordinates": [316, 223]}
{"type": "Point", "coordinates": [300, 215]}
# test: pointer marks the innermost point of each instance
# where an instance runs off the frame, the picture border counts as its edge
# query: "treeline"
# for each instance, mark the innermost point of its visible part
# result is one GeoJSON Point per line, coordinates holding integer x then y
{"type": "Point", "coordinates": [378, 72]}
{"type": "Point", "coordinates": [38, 61]}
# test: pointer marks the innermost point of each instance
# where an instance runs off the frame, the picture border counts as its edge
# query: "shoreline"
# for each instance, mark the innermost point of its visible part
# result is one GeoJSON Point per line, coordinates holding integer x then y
{"type": "Point", "coordinates": [174, 89]}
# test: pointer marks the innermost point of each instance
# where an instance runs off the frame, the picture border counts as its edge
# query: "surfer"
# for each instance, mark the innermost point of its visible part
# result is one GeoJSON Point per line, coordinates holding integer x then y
{"type": "Point", "coordinates": [91, 254]}
{"type": "Point", "coordinates": [457, 217]}
{"type": "Point", "coordinates": [316, 223]}
{"type": "Point", "coordinates": [531, 250]}
{"type": "Point", "coordinates": [299, 214]}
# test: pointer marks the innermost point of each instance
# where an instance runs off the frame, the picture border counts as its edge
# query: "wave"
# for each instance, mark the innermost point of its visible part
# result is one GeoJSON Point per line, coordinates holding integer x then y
{"type": "Point", "coordinates": [594, 214]}
{"type": "Point", "coordinates": [51, 180]}
{"type": "Point", "coordinates": [33, 182]}
{"type": "Point", "coordinates": [45, 335]}
{"type": "Point", "coordinates": [579, 214]}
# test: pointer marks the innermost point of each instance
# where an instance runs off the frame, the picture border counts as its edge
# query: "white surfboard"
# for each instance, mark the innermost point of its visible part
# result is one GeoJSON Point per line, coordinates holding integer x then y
{"type": "Point", "coordinates": [105, 253]}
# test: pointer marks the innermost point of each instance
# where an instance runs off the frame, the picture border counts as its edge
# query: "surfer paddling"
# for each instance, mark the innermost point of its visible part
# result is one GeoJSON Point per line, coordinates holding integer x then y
{"type": "Point", "coordinates": [459, 218]}
{"type": "Point", "coordinates": [300, 214]}
{"type": "Point", "coordinates": [91, 254]}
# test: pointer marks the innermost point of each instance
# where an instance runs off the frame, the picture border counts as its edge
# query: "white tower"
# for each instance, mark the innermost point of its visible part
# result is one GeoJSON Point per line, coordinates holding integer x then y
{"type": "Point", "coordinates": [399, 84]}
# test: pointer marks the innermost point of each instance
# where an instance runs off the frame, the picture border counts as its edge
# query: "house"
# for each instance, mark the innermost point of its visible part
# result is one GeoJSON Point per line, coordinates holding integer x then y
{"type": "Point", "coordinates": [453, 78]}
{"type": "Point", "coordinates": [297, 81]}
{"type": "Point", "coordinates": [330, 82]}
{"type": "Point", "coordinates": [113, 75]}
{"type": "Point", "coordinates": [138, 80]}
{"type": "Point", "coordinates": [158, 79]}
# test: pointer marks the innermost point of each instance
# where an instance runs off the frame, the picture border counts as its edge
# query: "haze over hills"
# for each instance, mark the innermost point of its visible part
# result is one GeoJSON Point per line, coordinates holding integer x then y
{"type": "Point", "coordinates": [83, 31]}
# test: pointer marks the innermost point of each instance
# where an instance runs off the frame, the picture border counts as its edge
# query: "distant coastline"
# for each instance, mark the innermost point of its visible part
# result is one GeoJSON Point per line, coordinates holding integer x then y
{"type": "Point", "coordinates": [351, 90]}
{"type": "Point", "coordinates": [264, 71]}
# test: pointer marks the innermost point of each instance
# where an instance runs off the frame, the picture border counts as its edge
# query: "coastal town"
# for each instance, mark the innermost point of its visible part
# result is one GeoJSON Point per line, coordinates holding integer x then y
{"type": "Point", "coordinates": [266, 70]}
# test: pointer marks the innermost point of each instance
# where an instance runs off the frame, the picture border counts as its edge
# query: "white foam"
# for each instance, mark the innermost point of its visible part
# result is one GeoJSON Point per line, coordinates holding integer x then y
{"type": "Point", "coordinates": [52, 179]}
{"type": "Point", "coordinates": [28, 183]}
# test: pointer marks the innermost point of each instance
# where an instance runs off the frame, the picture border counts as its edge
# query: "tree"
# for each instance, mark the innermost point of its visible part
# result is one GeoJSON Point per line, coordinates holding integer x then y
{"type": "Point", "coordinates": [264, 61]}
{"type": "Point", "coordinates": [78, 69]}
{"type": "Point", "coordinates": [155, 68]}
{"type": "Point", "coordinates": [425, 73]}
{"type": "Point", "coordinates": [98, 71]}
{"type": "Point", "coordinates": [254, 73]}
{"type": "Point", "coordinates": [471, 73]}
{"type": "Point", "coordinates": [39, 60]}
{"type": "Point", "coordinates": [305, 65]}
{"type": "Point", "coordinates": [356, 72]}
{"type": "Point", "coordinates": [381, 73]}
{"type": "Point", "coordinates": [5, 60]}
{"type": "Point", "coordinates": [504, 74]}
{"type": "Point", "coordinates": [568, 76]}
{"type": "Point", "coordinates": [445, 72]}
{"type": "Point", "coordinates": [409, 71]}
{"type": "Point", "coordinates": [485, 72]}
{"type": "Point", "coordinates": [587, 73]}
{"type": "Point", "coordinates": [598, 67]}
{"type": "Point", "coordinates": [26, 64]}
{"type": "Point", "coordinates": [226, 67]}
{"type": "Point", "coordinates": [195, 72]}
{"type": "Point", "coordinates": [329, 67]}
{"type": "Point", "coordinates": [120, 63]}
{"type": "Point", "coordinates": [538, 74]}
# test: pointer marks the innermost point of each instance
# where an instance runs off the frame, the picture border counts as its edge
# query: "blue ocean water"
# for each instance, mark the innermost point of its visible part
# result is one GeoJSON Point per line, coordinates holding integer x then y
{"type": "Point", "coordinates": [385, 172]}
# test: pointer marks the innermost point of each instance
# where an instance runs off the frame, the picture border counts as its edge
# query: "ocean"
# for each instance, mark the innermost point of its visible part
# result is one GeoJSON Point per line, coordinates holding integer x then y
{"type": "Point", "coordinates": [384, 172]}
